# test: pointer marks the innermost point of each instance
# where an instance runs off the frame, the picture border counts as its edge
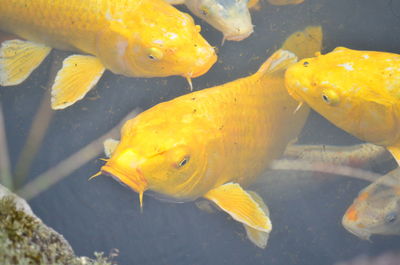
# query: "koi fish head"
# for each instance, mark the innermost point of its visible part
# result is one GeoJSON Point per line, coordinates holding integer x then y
{"type": "Point", "coordinates": [231, 17]}
{"type": "Point", "coordinates": [162, 152]}
{"type": "Point", "coordinates": [331, 85]}
{"type": "Point", "coordinates": [162, 42]}
{"type": "Point", "coordinates": [375, 211]}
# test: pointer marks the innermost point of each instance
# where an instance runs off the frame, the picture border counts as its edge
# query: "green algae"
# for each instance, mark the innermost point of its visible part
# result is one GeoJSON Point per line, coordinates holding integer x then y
{"type": "Point", "coordinates": [25, 240]}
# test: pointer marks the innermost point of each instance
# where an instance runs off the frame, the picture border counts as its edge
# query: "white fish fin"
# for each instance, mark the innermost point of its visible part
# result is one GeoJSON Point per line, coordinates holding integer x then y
{"type": "Point", "coordinates": [18, 59]}
{"type": "Point", "coordinates": [77, 76]}
{"type": "Point", "coordinates": [240, 205]}
{"type": "Point", "coordinates": [258, 238]}
{"type": "Point", "coordinates": [109, 146]}
{"type": "Point", "coordinates": [278, 61]}
{"type": "Point", "coordinates": [205, 206]}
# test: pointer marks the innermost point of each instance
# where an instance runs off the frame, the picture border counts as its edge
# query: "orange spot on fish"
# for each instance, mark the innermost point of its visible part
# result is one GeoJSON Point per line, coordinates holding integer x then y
{"type": "Point", "coordinates": [363, 196]}
{"type": "Point", "coordinates": [351, 214]}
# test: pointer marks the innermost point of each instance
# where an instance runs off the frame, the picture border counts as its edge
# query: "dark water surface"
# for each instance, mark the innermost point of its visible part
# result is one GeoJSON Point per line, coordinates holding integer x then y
{"type": "Point", "coordinates": [306, 212]}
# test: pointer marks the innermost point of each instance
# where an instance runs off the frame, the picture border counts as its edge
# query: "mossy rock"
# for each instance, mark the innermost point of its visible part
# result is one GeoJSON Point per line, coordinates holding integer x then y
{"type": "Point", "coordinates": [25, 240]}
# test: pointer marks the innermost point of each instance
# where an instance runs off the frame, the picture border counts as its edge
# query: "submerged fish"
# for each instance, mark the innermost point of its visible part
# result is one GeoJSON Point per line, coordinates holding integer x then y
{"type": "Point", "coordinates": [231, 17]}
{"type": "Point", "coordinates": [143, 38]}
{"type": "Point", "coordinates": [358, 91]}
{"type": "Point", "coordinates": [376, 210]}
{"type": "Point", "coordinates": [212, 142]}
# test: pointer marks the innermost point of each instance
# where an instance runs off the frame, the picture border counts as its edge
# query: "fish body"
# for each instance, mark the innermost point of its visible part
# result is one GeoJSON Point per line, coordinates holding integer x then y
{"type": "Point", "coordinates": [212, 142]}
{"type": "Point", "coordinates": [142, 38]}
{"type": "Point", "coordinates": [211, 128]}
{"type": "Point", "coordinates": [358, 91]}
{"type": "Point", "coordinates": [376, 210]}
{"type": "Point", "coordinates": [231, 17]}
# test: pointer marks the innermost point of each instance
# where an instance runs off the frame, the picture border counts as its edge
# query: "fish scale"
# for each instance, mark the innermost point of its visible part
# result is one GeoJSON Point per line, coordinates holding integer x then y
{"type": "Point", "coordinates": [70, 25]}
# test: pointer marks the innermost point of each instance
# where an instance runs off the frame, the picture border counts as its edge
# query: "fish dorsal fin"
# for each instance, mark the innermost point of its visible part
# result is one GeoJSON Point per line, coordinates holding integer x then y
{"type": "Point", "coordinates": [259, 238]}
{"type": "Point", "coordinates": [395, 151]}
{"type": "Point", "coordinates": [305, 43]}
{"type": "Point", "coordinates": [280, 60]}
{"type": "Point", "coordinates": [78, 75]}
{"type": "Point", "coordinates": [18, 59]}
{"type": "Point", "coordinates": [240, 205]}
{"type": "Point", "coordinates": [109, 146]}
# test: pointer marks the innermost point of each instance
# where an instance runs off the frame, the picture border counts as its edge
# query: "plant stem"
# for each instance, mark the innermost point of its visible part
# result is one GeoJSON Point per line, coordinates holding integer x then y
{"type": "Point", "coordinates": [5, 173]}
{"type": "Point", "coordinates": [70, 164]}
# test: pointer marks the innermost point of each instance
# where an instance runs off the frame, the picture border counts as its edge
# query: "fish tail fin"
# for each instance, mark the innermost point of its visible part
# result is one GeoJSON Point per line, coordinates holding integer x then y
{"type": "Point", "coordinates": [305, 43]}
{"type": "Point", "coordinates": [280, 60]}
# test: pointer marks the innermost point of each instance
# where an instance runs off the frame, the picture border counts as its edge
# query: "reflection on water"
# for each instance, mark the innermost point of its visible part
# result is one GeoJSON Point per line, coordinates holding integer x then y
{"type": "Point", "coordinates": [100, 215]}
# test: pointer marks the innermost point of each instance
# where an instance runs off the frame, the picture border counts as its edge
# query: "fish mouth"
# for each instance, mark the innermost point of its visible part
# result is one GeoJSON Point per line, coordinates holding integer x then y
{"type": "Point", "coordinates": [204, 68]}
{"type": "Point", "coordinates": [135, 181]}
{"type": "Point", "coordinates": [238, 37]}
{"type": "Point", "coordinates": [360, 233]}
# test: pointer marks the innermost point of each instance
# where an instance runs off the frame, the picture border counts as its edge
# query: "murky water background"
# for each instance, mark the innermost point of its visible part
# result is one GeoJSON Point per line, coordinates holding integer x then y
{"type": "Point", "coordinates": [306, 208]}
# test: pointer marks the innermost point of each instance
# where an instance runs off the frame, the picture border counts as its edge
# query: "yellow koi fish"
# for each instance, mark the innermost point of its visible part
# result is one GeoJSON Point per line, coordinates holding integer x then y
{"type": "Point", "coordinates": [358, 91]}
{"type": "Point", "coordinates": [139, 38]}
{"type": "Point", "coordinates": [376, 210]}
{"type": "Point", "coordinates": [212, 143]}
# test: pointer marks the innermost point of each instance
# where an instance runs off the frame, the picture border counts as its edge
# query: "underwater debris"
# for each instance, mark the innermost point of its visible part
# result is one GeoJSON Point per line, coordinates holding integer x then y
{"type": "Point", "coordinates": [25, 239]}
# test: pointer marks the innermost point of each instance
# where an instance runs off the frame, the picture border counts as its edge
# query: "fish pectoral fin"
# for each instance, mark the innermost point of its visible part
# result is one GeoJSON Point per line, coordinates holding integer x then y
{"type": "Point", "coordinates": [18, 59]}
{"type": "Point", "coordinates": [278, 61]}
{"type": "Point", "coordinates": [240, 205]}
{"type": "Point", "coordinates": [77, 76]}
{"type": "Point", "coordinates": [109, 146]}
{"type": "Point", "coordinates": [258, 238]}
{"type": "Point", "coordinates": [395, 151]}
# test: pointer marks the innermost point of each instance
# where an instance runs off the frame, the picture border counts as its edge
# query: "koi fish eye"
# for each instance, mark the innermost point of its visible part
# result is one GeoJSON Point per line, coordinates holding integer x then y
{"type": "Point", "coordinates": [155, 54]}
{"type": "Point", "coordinates": [390, 217]}
{"type": "Point", "coordinates": [184, 161]}
{"type": "Point", "coordinates": [330, 97]}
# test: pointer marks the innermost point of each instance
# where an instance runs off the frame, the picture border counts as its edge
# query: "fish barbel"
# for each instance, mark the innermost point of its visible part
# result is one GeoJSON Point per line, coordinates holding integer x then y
{"type": "Point", "coordinates": [136, 38]}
